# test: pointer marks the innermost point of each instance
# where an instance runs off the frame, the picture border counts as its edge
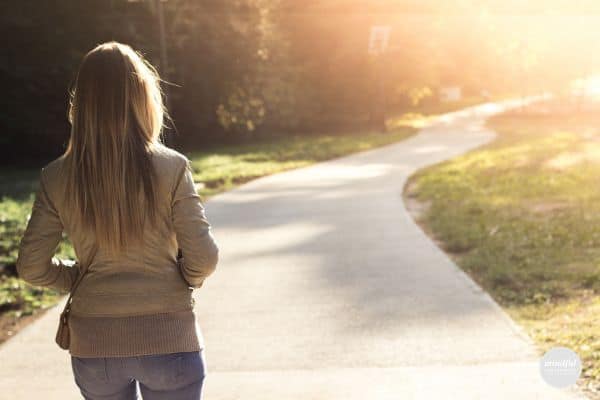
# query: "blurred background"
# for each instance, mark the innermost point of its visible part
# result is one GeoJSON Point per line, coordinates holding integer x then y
{"type": "Point", "coordinates": [256, 68]}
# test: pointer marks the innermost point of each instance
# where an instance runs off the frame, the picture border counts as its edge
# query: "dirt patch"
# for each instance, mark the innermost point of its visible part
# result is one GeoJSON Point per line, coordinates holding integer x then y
{"type": "Point", "coordinates": [545, 207]}
{"type": "Point", "coordinates": [589, 153]}
{"type": "Point", "coordinates": [10, 326]}
{"type": "Point", "coordinates": [565, 160]}
{"type": "Point", "coordinates": [415, 207]}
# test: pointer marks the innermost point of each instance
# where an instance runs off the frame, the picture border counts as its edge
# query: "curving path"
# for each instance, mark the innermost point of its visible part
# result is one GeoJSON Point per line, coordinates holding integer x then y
{"type": "Point", "coordinates": [327, 289]}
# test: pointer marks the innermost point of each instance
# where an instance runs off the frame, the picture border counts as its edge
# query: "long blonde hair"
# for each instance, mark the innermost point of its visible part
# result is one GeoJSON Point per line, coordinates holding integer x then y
{"type": "Point", "coordinates": [116, 113]}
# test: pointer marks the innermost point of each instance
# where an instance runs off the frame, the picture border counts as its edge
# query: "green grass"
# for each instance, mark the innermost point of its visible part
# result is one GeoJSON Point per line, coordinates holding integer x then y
{"type": "Point", "coordinates": [521, 216]}
{"type": "Point", "coordinates": [18, 298]}
{"type": "Point", "coordinates": [222, 168]}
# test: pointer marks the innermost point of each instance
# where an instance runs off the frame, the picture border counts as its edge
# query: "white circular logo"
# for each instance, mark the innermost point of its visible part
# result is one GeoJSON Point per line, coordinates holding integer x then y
{"type": "Point", "coordinates": [560, 367]}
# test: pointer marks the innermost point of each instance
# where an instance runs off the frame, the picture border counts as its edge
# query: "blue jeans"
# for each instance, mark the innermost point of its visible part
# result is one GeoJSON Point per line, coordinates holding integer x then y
{"type": "Point", "coordinates": [174, 376]}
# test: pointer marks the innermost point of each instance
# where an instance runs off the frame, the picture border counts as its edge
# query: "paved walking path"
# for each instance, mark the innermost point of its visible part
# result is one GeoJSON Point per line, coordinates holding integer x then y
{"type": "Point", "coordinates": [328, 290]}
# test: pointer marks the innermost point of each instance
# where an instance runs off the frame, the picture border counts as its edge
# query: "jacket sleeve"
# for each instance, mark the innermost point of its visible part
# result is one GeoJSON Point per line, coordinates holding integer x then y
{"type": "Point", "coordinates": [193, 231]}
{"type": "Point", "coordinates": [36, 263]}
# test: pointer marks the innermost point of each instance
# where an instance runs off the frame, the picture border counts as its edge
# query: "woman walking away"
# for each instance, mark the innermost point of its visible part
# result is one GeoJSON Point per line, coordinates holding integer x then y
{"type": "Point", "coordinates": [128, 204]}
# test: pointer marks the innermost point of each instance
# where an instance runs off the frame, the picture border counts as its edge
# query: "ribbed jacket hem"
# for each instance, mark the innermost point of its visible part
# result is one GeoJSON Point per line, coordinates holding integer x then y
{"type": "Point", "coordinates": [137, 335]}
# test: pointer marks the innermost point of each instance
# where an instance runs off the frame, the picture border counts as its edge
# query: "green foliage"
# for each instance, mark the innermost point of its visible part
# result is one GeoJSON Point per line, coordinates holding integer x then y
{"type": "Point", "coordinates": [13, 219]}
{"type": "Point", "coordinates": [47, 42]}
{"type": "Point", "coordinates": [214, 48]}
{"type": "Point", "coordinates": [257, 68]}
{"type": "Point", "coordinates": [241, 111]}
{"type": "Point", "coordinates": [17, 188]}
{"type": "Point", "coordinates": [18, 298]}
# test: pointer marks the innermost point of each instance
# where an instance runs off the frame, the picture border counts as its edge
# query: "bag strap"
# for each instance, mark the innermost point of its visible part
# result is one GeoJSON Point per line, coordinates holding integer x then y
{"type": "Point", "coordinates": [83, 268]}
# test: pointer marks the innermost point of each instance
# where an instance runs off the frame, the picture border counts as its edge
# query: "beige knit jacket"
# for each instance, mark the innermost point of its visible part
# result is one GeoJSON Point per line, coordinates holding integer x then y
{"type": "Point", "coordinates": [131, 304]}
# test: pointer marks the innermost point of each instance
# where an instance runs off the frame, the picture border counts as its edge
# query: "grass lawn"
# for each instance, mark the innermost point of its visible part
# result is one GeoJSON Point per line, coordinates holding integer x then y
{"type": "Point", "coordinates": [218, 169]}
{"type": "Point", "coordinates": [521, 217]}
